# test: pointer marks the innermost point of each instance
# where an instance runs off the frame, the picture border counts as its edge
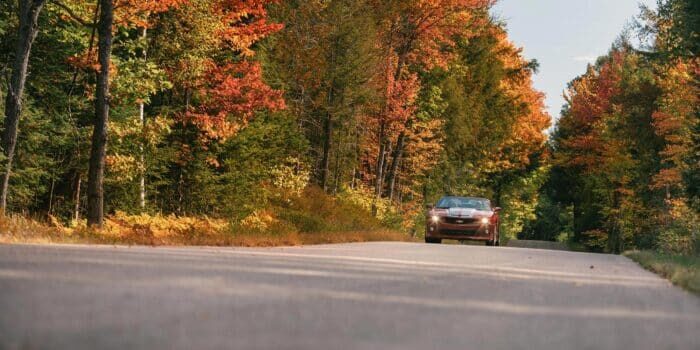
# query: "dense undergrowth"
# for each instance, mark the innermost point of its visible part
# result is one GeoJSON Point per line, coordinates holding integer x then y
{"type": "Point", "coordinates": [311, 218]}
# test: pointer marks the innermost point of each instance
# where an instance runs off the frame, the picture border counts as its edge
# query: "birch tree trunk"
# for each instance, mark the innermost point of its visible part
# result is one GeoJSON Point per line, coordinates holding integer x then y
{"type": "Point", "coordinates": [142, 157]}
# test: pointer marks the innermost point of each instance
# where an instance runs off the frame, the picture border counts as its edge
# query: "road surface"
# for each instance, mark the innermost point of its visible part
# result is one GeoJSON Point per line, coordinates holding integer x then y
{"type": "Point", "coordinates": [355, 296]}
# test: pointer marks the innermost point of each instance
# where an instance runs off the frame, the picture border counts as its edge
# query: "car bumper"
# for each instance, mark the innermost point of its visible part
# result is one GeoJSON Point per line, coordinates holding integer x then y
{"type": "Point", "coordinates": [476, 232]}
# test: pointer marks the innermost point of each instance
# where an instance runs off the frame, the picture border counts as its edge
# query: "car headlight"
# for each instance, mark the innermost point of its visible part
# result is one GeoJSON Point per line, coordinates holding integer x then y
{"type": "Point", "coordinates": [484, 221]}
{"type": "Point", "coordinates": [436, 219]}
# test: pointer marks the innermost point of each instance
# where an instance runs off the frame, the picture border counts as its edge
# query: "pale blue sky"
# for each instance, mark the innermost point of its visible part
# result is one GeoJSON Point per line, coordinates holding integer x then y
{"type": "Point", "coordinates": [565, 35]}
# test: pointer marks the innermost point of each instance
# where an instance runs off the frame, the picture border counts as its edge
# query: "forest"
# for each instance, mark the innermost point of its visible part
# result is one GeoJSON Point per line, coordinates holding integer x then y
{"type": "Point", "coordinates": [625, 165]}
{"type": "Point", "coordinates": [309, 116]}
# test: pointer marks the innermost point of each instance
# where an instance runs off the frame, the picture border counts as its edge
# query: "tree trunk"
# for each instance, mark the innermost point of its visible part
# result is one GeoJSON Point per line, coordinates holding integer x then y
{"type": "Point", "coordinates": [95, 214]}
{"type": "Point", "coordinates": [379, 176]}
{"type": "Point", "coordinates": [142, 157]}
{"type": "Point", "coordinates": [399, 149]}
{"type": "Point", "coordinates": [614, 237]}
{"type": "Point", "coordinates": [385, 162]}
{"type": "Point", "coordinates": [396, 159]}
{"type": "Point", "coordinates": [327, 142]}
{"type": "Point", "coordinates": [28, 28]}
{"type": "Point", "coordinates": [337, 172]}
{"type": "Point", "coordinates": [142, 165]}
{"type": "Point", "coordinates": [53, 187]}
{"type": "Point", "coordinates": [76, 208]}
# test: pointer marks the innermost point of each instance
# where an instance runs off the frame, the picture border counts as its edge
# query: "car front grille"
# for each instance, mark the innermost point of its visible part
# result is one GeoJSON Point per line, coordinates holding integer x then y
{"type": "Point", "coordinates": [458, 232]}
{"type": "Point", "coordinates": [459, 221]}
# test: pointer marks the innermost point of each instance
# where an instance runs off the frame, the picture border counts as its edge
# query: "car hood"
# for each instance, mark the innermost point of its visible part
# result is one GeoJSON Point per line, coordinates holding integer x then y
{"type": "Point", "coordinates": [462, 212]}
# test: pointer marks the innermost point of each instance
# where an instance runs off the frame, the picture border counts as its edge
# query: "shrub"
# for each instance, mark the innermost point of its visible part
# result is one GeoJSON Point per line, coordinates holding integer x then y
{"type": "Point", "coordinates": [363, 197]}
{"type": "Point", "coordinates": [676, 241]}
{"type": "Point", "coordinates": [679, 235]}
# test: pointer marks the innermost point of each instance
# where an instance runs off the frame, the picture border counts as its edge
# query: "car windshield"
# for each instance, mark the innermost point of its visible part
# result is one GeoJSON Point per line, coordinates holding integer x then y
{"type": "Point", "coordinates": [460, 202]}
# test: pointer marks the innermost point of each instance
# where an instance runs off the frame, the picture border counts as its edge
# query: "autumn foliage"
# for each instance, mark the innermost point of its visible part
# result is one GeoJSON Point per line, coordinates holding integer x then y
{"type": "Point", "coordinates": [626, 146]}
{"type": "Point", "coordinates": [230, 96]}
{"type": "Point", "coordinates": [264, 114]}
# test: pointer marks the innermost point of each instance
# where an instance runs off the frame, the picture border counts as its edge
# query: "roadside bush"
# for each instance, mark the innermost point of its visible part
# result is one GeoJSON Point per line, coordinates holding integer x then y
{"type": "Point", "coordinates": [596, 240]}
{"type": "Point", "coordinates": [680, 234]}
{"type": "Point", "coordinates": [363, 198]}
{"type": "Point", "coordinates": [315, 210]}
{"type": "Point", "coordinates": [676, 241]}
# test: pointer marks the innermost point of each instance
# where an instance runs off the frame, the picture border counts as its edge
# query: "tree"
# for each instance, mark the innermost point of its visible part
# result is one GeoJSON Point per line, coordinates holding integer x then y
{"type": "Point", "coordinates": [325, 58]}
{"type": "Point", "coordinates": [98, 151]}
{"type": "Point", "coordinates": [419, 32]}
{"type": "Point", "coordinates": [28, 28]}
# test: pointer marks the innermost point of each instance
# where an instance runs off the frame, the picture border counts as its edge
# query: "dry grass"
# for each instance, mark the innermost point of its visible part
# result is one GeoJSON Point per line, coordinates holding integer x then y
{"type": "Point", "coordinates": [312, 218]}
{"type": "Point", "coordinates": [19, 229]}
{"type": "Point", "coordinates": [681, 270]}
{"type": "Point", "coordinates": [122, 229]}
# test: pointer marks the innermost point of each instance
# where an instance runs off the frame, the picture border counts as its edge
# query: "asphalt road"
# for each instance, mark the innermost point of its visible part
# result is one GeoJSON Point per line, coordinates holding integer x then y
{"type": "Point", "coordinates": [356, 296]}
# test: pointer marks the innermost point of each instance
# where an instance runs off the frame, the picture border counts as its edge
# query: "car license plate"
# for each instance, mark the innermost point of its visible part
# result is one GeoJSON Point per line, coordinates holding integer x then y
{"type": "Point", "coordinates": [460, 221]}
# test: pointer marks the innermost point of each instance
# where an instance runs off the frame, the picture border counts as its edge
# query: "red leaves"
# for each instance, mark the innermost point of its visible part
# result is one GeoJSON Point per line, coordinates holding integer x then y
{"type": "Point", "coordinates": [228, 94]}
{"type": "Point", "coordinates": [233, 94]}
{"type": "Point", "coordinates": [590, 95]}
{"type": "Point", "coordinates": [591, 105]}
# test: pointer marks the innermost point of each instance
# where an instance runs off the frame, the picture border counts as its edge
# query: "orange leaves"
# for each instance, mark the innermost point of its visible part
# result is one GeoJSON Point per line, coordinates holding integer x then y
{"type": "Point", "coordinates": [590, 95]}
{"type": "Point", "coordinates": [227, 92]}
{"type": "Point", "coordinates": [665, 123]}
{"type": "Point", "coordinates": [232, 95]}
{"type": "Point", "coordinates": [151, 6]}
{"type": "Point", "coordinates": [667, 177]}
{"type": "Point", "coordinates": [424, 27]}
{"type": "Point", "coordinates": [244, 22]}
{"type": "Point", "coordinates": [527, 133]}
{"type": "Point", "coordinates": [86, 61]}
{"type": "Point", "coordinates": [401, 98]}
{"type": "Point", "coordinates": [591, 108]}
{"type": "Point", "coordinates": [239, 89]}
{"type": "Point", "coordinates": [136, 13]}
{"type": "Point", "coordinates": [676, 120]}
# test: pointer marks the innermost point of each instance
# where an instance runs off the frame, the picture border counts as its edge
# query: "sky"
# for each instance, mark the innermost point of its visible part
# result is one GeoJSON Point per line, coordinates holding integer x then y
{"type": "Point", "coordinates": [564, 36]}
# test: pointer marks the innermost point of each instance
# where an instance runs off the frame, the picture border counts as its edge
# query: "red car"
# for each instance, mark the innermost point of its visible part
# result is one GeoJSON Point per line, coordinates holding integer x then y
{"type": "Point", "coordinates": [462, 218]}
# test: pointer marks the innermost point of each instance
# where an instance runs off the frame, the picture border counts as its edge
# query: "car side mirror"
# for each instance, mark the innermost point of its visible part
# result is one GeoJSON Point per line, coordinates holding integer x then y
{"type": "Point", "coordinates": [497, 209]}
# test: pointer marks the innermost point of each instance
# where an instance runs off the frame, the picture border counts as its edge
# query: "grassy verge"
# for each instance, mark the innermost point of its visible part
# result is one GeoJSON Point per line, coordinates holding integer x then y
{"type": "Point", "coordinates": [683, 271]}
{"type": "Point", "coordinates": [314, 218]}
{"type": "Point", "coordinates": [173, 231]}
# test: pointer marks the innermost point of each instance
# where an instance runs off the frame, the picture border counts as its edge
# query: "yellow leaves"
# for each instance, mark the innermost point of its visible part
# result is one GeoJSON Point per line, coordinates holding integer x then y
{"type": "Point", "coordinates": [682, 224]}
{"type": "Point", "coordinates": [291, 177]}
{"type": "Point", "coordinates": [676, 120]}
{"type": "Point", "coordinates": [158, 229]}
{"type": "Point", "coordinates": [259, 220]}
{"type": "Point", "coordinates": [425, 144]}
{"type": "Point", "coordinates": [136, 13]}
{"type": "Point", "coordinates": [122, 168]}
{"type": "Point", "coordinates": [364, 197]}
{"type": "Point", "coordinates": [128, 139]}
